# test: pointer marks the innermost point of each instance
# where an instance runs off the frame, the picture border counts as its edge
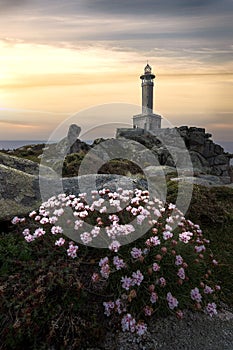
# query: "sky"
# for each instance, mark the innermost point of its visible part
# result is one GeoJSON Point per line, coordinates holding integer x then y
{"type": "Point", "coordinates": [58, 58]}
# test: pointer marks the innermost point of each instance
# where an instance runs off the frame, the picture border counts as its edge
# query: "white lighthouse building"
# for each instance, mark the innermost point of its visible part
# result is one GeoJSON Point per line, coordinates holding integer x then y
{"type": "Point", "coordinates": [147, 120]}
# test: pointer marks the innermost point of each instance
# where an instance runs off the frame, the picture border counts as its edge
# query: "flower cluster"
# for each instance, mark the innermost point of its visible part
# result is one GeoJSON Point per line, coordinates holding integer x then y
{"type": "Point", "coordinates": [129, 205]}
{"type": "Point", "coordinates": [169, 268]}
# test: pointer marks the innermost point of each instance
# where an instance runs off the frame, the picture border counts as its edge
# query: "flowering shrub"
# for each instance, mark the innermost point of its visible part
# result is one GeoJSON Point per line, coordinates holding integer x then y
{"type": "Point", "coordinates": [168, 268]}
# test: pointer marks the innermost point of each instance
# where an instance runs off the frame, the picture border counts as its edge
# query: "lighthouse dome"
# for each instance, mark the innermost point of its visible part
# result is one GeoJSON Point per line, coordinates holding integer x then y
{"type": "Point", "coordinates": [147, 69]}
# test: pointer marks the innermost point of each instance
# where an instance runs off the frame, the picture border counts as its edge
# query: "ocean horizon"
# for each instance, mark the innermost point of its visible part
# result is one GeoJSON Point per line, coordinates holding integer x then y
{"type": "Point", "coordinates": [13, 144]}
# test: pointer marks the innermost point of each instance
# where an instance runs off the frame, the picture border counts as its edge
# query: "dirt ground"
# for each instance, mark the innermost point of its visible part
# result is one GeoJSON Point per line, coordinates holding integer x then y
{"type": "Point", "coordinates": [196, 331]}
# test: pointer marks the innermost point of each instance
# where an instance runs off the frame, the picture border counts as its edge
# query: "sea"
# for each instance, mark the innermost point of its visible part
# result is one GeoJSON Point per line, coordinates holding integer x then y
{"type": "Point", "coordinates": [10, 145]}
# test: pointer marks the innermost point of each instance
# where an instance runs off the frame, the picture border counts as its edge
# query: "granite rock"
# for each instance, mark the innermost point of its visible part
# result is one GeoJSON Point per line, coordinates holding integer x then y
{"type": "Point", "coordinates": [207, 157]}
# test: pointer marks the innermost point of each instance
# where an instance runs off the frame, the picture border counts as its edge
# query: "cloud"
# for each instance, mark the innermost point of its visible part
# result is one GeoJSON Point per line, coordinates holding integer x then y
{"type": "Point", "coordinates": [18, 123]}
{"type": "Point", "coordinates": [155, 7]}
{"type": "Point", "coordinates": [8, 5]}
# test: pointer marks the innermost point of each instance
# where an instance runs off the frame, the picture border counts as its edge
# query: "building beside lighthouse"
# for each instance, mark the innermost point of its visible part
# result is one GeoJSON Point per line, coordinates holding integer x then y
{"type": "Point", "coordinates": [147, 120]}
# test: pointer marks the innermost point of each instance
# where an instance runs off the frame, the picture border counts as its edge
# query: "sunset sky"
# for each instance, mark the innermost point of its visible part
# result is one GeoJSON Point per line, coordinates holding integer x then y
{"type": "Point", "coordinates": [59, 57]}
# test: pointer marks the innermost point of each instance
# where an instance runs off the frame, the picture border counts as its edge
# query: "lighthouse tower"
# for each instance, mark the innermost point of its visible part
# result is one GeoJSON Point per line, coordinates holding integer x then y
{"type": "Point", "coordinates": [147, 120]}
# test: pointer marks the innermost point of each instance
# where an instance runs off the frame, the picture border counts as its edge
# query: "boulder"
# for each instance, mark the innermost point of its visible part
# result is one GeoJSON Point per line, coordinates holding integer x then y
{"type": "Point", "coordinates": [19, 192]}
{"type": "Point", "coordinates": [161, 170]}
{"type": "Point", "coordinates": [21, 164]}
{"type": "Point", "coordinates": [194, 181]}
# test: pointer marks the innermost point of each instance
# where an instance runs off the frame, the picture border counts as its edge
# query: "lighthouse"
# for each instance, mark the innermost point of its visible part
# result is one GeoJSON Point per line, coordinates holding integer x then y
{"type": "Point", "coordinates": [147, 120]}
{"type": "Point", "coordinates": [147, 90]}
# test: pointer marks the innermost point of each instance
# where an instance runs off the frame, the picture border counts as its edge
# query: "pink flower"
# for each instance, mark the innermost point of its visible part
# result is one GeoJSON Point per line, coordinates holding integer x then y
{"type": "Point", "coordinates": [181, 273]}
{"type": "Point", "coordinates": [26, 232]}
{"type": "Point", "coordinates": [137, 278]}
{"type": "Point", "coordinates": [196, 295]}
{"type": "Point", "coordinates": [167, 235]}
{"type": "Point", "coordinates": [126, 282]}
{"type": "Point", "coordinates": [86, 237]}
{"type": "Point", "coordinates": [103, 261]}
{"type": "Point", "coordinates": [208, 290]}
{"type": "Point", "coordinates": [168, 228]}
{"type": "Point", "coordinates": [95, 277]}
{"type": "Point", "coordinates": [83, 214]}
{"type": "Point", "coordinates": [108, 307]}
{"type": "Point", "coordinates": [44, 221]}
{"type": "Point", "coordinates": [114, 246]}
{"type": "Point", "coordinates": [119, 306]}
{"type": "Point", "coordinates": [114, 218]}
{"type": "Point", "coordinates": [200, 248]}
{"type": "Point", "coordinates": [171, 206]}
{"type": "Point", "coordinates": [153, 241]}
{"type": "Point", "coordinates": [95, 231]}
{"type": "Point", "coordinates": [128, 323]}
{"type": "Point", "coordinates": [211, 309]}
{"type": "Point", "coordinates": [162, 282]}
{"type": "Point", "coordinates": [29, 238]}
{"type": "Point", "coordinates": [119, 263]}
{"type": "Point", "coordinates": [53, 220]}
{"type": "Point", "coordinates": [141, 328]}
{"type": "Point", "coordinates": [77, 224]}
{"type": "Point", "coordinates": [103, 210]}
{"type": "Point", "coordinates": [140, 219]}
{"type": "Point", "coordinates": [15, 220]}
{"type": "Point", "coordinates": [56, 229]}
{"type": "Point", "coordinates": [105, 271]}
{"type": "Point", "coordinates": [136, 253]}
{"type": "Point", "coordinates": [33, 213]}
{"type": "Point", "coordinates": [172, 301]}
{"type": "Point", "coordinates": [179, 260]}
{"type": "Point", "coordinates": [170, 220]}
{"type": "Point", "coordinates": [185, 236]}
{"type": "Point", "coordinates": [39, 232]}
{"type": "Point", "coordinates": [71, 251]}
{"type": "Point", "coordinates": [148, 310]}
{"type": "Point", "coordinates": [58, 212]}
{"type": "Point", "coordinates": [153, 297]}
{"type": "Point", "coordinates": [155, 267]}
{"type": "Point", "coordinates": [60, 242]}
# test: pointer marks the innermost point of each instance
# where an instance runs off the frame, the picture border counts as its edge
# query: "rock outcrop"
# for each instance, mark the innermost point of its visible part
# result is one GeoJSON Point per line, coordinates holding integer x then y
{"type": "Point", "coordinates": [169, 146]}
{"type": "Point", "coordinates": [19, 192]}
{"type": "Point", "coordinates": [21, 185]}
{"type": "Point", "coordinates": [22, 180]}
{"type": "Point", "coordinates": [20, 164]}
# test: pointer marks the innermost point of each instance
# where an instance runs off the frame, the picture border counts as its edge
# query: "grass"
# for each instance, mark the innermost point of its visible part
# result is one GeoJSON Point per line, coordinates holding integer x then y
{"type": "Point", "coordinates": [31, 152]}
